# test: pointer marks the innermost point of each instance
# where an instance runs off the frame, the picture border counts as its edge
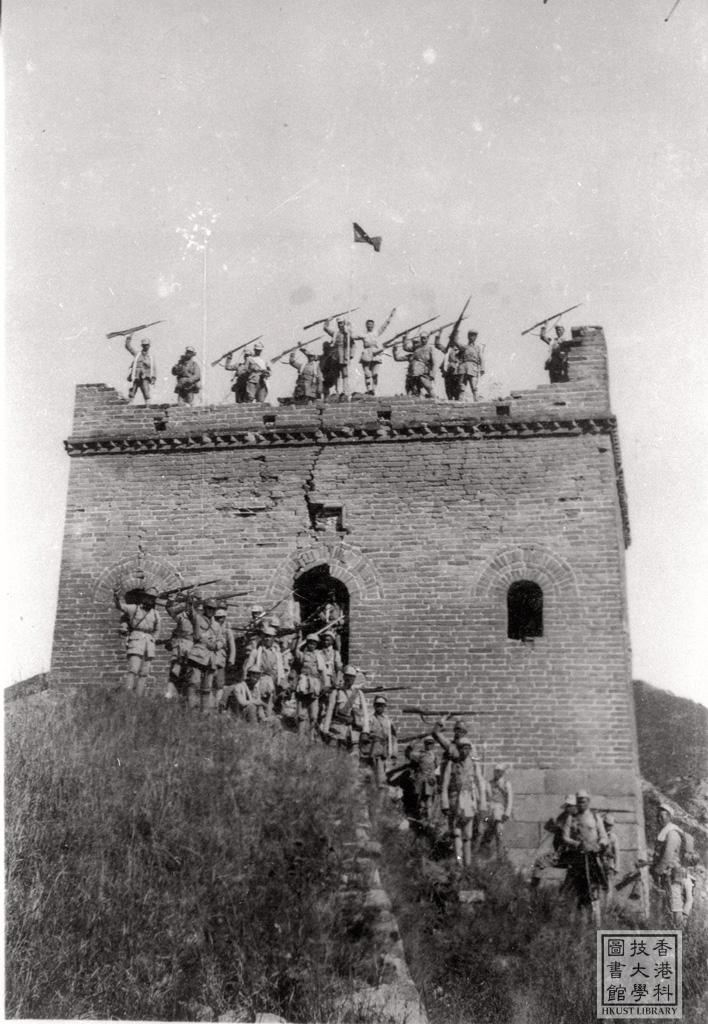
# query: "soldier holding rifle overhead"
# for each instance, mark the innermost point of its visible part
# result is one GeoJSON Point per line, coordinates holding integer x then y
{"type": "Point", "coordinates": [308, 386]}
{"type": "Point", "coordinates": [372, 352]}
{"type": "Point", "coordinates": [143, 623]}
{"type": "Point", "coordinates": [418, 353]}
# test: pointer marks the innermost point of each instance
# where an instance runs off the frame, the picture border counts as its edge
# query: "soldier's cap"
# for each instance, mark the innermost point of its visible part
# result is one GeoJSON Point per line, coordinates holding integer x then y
{"type": "Point", "coordinates": [268, 631]}
{"type": "Point", "coordinates": [327, 636]}
{"type": "Point", "coordinates": [256, 608]}
{"type": "Point", "coordinates": [189, 351]}
{"type": "Point", "coordinates": [464, 742]}
{"type": "Point", "coordinates": [311, 355]}
{"type": "Point", "coordinates": [380, 700]}
{"type": "Point", "coordinates": [312, 638]}
{"type": "Point", "coordinates": [349, 670]}
{"type": "Point", "coordinates": [569, 801]}
{"type": "Point", "coordinates": [209, 602]}
{"type": "Point", "coordinates": [458, 726]}
{"type": "Point", "coordinates": [150, 592]}
{"type": "Point", "coordinates": [582, 794]}
{"type": "Point", "coordinates": [472, 334]}
{"type": "Point", "coordinates": [369, 322]}
{"type": "Point", "coordinates": [500, 767]}
{"type": "Point", "coordinates": [665, 807]}
{"type": "Point", "coordinates": [145, 342]}
{"type": "Point", "coordinates": [253, 672]}
{"type": "Point", "coordinates": [221, 612]}
{"type": "Point", "coordinates": [428, 740]}
{"type": "Point", "coordinates": [609, 819]}
{"type": "Point", "coordinates": [258, 347]}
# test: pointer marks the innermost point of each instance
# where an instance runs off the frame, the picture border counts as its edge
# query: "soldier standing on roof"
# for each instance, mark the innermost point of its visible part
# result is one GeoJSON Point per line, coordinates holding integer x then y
{"type": "Point", "coordinates": [256, 374]}
{"type": "Point", "coordinates": [500, 799]}
{"type": "Point", "coordinates": [308, 386]}
{"type": "Point", "coordinates": [188, 375]}
{"type": "Point", "coordinates": [384, 746]}
{"type": "Point", "coordinates": [371, 353]}
{"type": "Point", "coordinates": [143, 623]}
{"type": "Point", "coordinates": [418, 353]}
{"type": "Point", "coordinates": [143, 369]}
{"type": "Point", "coordinates": [341, 352]}
{"type": "Point", "coordinates": [557, 362]}
{"type": "Point", "coordinates": [472, 364]}
{"type": "Point", "coordinates": [238, 383]}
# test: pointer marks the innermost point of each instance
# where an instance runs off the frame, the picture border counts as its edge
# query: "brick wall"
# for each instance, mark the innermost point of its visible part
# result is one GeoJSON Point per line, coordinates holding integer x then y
{"type": "Point", "coordinates": [444, 505]}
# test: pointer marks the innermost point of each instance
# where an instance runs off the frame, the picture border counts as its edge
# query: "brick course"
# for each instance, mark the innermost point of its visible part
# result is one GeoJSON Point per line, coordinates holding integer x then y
{"type": "Point", "coordinates": [444, 506]}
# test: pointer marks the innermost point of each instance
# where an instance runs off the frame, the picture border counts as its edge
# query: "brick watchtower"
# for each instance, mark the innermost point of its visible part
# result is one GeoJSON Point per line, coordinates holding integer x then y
{"type": "Point", "coordinates": [479, 549]}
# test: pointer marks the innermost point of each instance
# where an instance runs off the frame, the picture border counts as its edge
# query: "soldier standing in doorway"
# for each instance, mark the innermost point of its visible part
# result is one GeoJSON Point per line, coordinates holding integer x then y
{"type": "Point", "coordinates": [201, 659]}
{"type": "Point", "coordinates": [310, 668]}
{"type": "Point", "coordinates": [180, 643]}
{"type": "Point", "coordinates": [143, 623]}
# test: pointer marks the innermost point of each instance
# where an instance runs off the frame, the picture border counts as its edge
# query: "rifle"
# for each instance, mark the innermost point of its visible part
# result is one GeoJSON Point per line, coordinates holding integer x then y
{"type": "Point", "coordinates": [133, 330]}
{"type": "Point", "coordinates": [225, 597]}
{"type": "Point", "coordinates": [445, 326]}
{"type": "Point", "coordinates": [326, 319]}
{"type": "Point", "coordinates": [302, 344]}
{"type": "Point", "coordinates": [631, 876]}
{"type": "Point", "coordinates": [461, 317]}
{"type": "Point", "coordinates": [381, 689]}
{"type": "Point", "coordinates": [237, 349]}
{"type": "Point", "coordinates": [387, 344]}
{"type": "Point", "coordinates": [549, 318]}
{"type": "Point", "coordinates": [323, 629]}
{"type": "Point", "coordinates": [190, 586]}
{"type": "Point", "coordinates": [412, 709]}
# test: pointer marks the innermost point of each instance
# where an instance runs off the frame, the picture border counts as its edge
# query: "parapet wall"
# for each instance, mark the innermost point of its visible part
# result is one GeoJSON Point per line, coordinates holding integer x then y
{"type": "Point", "coordinates": [427, 511]}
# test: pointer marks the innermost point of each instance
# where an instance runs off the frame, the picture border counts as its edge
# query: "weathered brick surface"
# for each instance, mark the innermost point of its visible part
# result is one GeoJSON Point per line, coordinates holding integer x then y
{"type": "Point", "coordinates": [437, 526]}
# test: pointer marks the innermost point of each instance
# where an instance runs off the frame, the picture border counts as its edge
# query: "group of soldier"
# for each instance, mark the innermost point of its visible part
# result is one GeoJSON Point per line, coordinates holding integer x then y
{"type": "Point", "coordinates": [294, 677]}
{"type": "Point", "coordinates": [327, 373]}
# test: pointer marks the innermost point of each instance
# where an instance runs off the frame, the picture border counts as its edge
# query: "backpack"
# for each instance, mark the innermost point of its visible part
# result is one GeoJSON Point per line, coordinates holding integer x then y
{"type": "Point", "coordinates": [689, 857]}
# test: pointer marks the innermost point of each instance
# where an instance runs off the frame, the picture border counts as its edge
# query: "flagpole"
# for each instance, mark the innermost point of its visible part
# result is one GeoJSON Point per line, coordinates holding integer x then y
{"type": "Point", "coordinates": [204, 319]}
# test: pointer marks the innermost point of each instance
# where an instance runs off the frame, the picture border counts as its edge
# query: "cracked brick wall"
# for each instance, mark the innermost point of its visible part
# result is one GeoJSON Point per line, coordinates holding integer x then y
{"type": "Point", "coordinates": [441, 506]}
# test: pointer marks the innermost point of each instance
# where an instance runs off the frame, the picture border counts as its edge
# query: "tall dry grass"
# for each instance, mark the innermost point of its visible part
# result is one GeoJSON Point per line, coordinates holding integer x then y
{"type": "Point", "coordinates": [162, 865]}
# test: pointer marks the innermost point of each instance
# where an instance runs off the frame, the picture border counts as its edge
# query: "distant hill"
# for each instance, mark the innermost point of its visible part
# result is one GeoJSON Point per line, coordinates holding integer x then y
{"type": "Point", "coordinates": [673, 746]}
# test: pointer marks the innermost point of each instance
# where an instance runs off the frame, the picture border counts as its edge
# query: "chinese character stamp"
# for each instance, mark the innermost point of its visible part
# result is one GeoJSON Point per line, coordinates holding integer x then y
{"type": "Point", "coordinates": [639, 974]}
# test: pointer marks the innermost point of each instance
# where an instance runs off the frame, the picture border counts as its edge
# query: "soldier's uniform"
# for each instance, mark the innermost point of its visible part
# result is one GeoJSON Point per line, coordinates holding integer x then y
{"type": "Point", "coordinates": [143, 626]}
{"type": "Point", "coordinates": [550, 852]}
{"type": "Point", "coordinates": [310, 669]}
{"type": "Point", "coordinates": [256, 375]}
{"type": "Point", "coordinates": [453, 372]}
{"type": "Point", "coordinates": [584, 838]}
{"type": "Point", "coordinates": [426, 779]}
{"type": "Point", "coordinates": [463, 797]}
{"type": "Point", "coordinates": [347, 716]}
{"type": "Point", "coordinates": [238, 381]}
{"type": "Point", "coordinates": [668, 870]}
{"type": "Point", "coordinates": [500, 799]}
{"type": "Point", "coordinates": [557, 362]}
{"type": "Point", "coordinates": [384, 745]}
{"type": "Point", "coordinates": [202, 659]}
{"type": "Point", "coordinates": [179, 645]}
{"type": "Point", "coordinates": [341, 352]}
{"type": "Point", "coordinates": [308, 386]}
{"type": "Point", "coordinates": [332, 664]}
{"type": "Point", "coordinates": [245, 700]}
{"type": "Point", "coordinates": [267, 660]}
{"type": "Point", "coordinates": [421, 365]}
{"type": "Point", "coordinates": [372, 352]}
{"type": "Point", "coordinates": [225, 654]}
{"type": "Point", "coordinates": [471, 364]}
{"type": "Point", "coordinates": [188, 375]}
{"type": "Point", "coordinates": [143, 370]}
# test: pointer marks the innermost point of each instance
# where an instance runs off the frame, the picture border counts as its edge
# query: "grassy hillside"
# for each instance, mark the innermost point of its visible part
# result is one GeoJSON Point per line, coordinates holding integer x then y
{"type": "Point", "coordinates": [161, 865]}
{"type": "Point", "coordinates": [673, 745]}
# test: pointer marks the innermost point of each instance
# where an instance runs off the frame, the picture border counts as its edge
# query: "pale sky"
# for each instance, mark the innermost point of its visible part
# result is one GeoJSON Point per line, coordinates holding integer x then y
{"type": "Point", "coordinates": [532, 156]}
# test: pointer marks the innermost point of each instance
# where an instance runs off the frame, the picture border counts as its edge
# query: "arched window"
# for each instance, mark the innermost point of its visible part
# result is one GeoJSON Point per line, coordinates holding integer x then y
{"type": "Point", "coordinates": [524, 605]}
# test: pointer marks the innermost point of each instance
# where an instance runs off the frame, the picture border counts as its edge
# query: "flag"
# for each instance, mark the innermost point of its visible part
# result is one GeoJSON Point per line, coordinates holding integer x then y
{"type": "Point", "coordinates": [361, 236]}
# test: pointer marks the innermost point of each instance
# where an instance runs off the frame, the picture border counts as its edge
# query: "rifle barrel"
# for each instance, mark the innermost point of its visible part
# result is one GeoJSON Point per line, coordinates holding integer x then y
{"type": "Point", "coordinates": [302, 344]}
{"type": "Point", "coordinates": [415, 327]}
{"type": "Point", "coordinates": [237, 349]}
{"type": "Point", "coordinates": [549, 318]}
{"type": "Point", "coordinates": [325, 319]}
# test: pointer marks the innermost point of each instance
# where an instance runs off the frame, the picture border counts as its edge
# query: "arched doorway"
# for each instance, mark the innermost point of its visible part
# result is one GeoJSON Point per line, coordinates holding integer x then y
{"type": "Point", "coordinates": [314, 590]}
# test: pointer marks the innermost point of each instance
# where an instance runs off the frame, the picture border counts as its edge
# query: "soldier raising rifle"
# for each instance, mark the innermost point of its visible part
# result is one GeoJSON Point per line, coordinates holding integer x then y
{"type": "Point", "coordinates": [143, 370]}
{"type": "Point", "coordinates": [372, 352]}
{"type": "Point", "coordinates": [418, 353]}
{"type": "Point", "coordinates": [308, 386]}
{"type": "Point", "coordinates": [143, 623]}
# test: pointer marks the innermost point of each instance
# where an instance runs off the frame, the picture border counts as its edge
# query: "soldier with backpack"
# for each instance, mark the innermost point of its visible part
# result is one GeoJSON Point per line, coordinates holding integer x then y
{"type": "Point", "coordinates": [585, 839]}
{"type": "Point", "coordinates": [673, 852]}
